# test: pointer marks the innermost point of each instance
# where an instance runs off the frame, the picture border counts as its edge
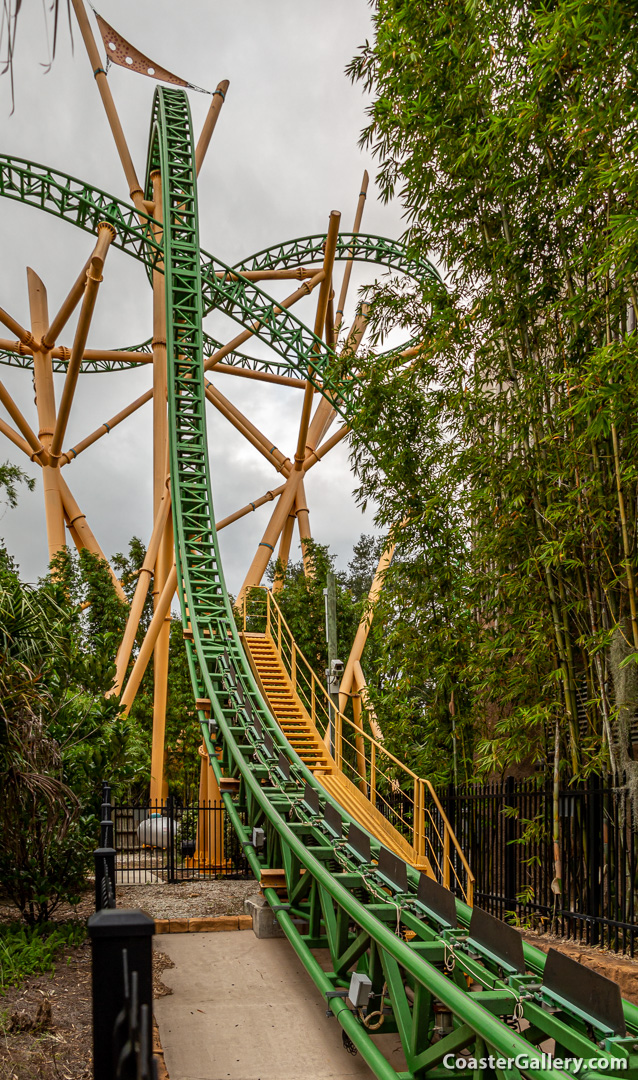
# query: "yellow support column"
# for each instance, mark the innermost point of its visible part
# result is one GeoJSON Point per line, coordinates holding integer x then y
{"type": "Point", "coordinates": [209, 850]}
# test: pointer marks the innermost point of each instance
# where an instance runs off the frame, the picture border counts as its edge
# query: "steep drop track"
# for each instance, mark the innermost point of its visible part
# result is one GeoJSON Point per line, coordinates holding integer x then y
{"type": "Point", "coordinates": [445, 991]}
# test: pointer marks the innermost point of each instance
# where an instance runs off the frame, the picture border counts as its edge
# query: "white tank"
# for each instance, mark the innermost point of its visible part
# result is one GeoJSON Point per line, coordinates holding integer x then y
{"type": "Point", "coordinates": [154, 832]}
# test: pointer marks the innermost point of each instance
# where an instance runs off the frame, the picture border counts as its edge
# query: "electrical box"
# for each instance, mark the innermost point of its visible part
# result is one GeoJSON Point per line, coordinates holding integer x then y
{"type": "Point", "coordinates": [360, 990]}
{"type": "Point", "coordinates": [259, 838]}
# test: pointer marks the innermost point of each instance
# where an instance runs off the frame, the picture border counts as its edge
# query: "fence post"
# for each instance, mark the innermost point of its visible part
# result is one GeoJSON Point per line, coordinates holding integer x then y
{"type": "Point", "coordinates": [170, 830]}
{"type": "Point", "coordinates": [509, 852]}
{"type": "Point", "coordinates": [594, 853]}
{"type": "Point", "coordinates": [104, 858]}
{"type": "Point", "coordinates": [122, 1004]}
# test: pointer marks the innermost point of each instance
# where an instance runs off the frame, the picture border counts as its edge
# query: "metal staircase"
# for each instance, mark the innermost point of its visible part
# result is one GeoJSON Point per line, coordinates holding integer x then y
{"type": "Point", "coordinates": [386, 798]}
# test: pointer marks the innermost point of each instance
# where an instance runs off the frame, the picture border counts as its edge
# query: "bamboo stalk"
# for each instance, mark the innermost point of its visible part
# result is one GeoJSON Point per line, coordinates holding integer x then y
{"type": "Point", "coordinates": [148, 645]}
{"type": "Point", "coordinates": [135, 191]}
{"type": "Point", "coordinates": [212, 116]}
{"type": "Point", "coordinates": [105, 428]}
{"type": "Point", "coordinates": [106, 233]}
{"type": "Point", "coordinates": [629, 575]}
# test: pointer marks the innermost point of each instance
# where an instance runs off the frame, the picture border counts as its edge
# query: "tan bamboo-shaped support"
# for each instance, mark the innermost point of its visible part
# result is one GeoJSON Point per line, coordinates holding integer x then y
{"type": "Point", "coordinates": [128, 356]}
{"type": "Point", "coordinates": [69, 305]}
{"type": "Point", "coordinates": [135, 191]}
{"type": "Point", "coordinates": [359, 742]}
{"type": "Point", "coordinates": [286, 501]}
{"type": "Point", "coordinates": [146, 649]}
{"type": "Point", "coordinates": [106, 233]}
{"type": "Point", "coordinates": [361, 636]}
{"type": "Point", "coordinates": [320, 319]}
{"type": "Point", "coordinates": [36, 448]}
{"type": "Point", "coordinates": [25, 337]}
{"type": "Point", "coordinates": [361, 688]}
{"type": "Point", "coordinates": [160, 666]}
{"type": "Point", "coordinates": [139, 597]}
{"type": "Point", "coordinates": [348, 268]}
{"type": "Point", "coordinates": [209, 849]}
{"type": "Point", "coordinates": [219, 97]}
{"type": "Point", "coordinates": [165, 555]}
{"type": "Point", "coordinates": [105, 428]}
{"type": "Point", "coordinates": [83, 531]}
{"type": "Point", "coordinates": [248, 429]}
{"type": "Point", "coordinates": [303, 290]}
{"type": "Point", "coordinates": [45, 402]}
{"type": "Point", "coordinates": [285, 541]}
{"type": "Point", "coordinates": [249, 508]}
{"type": "Point", "coordinates": [323, 417]}
{"type": "Point", "coordinates": [17, 440]}
{"type": "Point", "coordinates": [270, 496]}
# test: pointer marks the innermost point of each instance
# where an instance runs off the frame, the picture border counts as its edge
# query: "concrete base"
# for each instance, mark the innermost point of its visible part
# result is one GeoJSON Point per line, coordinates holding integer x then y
{"type": "Point", "coordinates": [244, 1009]}
{"type": "Point", "coordinates": [265, 924]}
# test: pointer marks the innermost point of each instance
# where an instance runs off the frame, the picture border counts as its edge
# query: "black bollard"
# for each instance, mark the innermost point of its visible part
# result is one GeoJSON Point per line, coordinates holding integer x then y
{"type": "Point", "coordinates": [106, 833]}
{"type": "Point", "coordinates": [104, 877]}
{"type": "Point", "coordinates": [121, 946]}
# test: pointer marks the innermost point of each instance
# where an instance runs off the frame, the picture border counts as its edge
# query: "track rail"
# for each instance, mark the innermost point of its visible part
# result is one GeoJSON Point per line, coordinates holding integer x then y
{"type": "Point", "coordinates": [340, 894]}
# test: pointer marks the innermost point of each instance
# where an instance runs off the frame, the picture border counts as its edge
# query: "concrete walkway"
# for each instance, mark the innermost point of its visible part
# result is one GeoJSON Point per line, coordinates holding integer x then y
{"type": "Point", "coordinates": [245, 1009]}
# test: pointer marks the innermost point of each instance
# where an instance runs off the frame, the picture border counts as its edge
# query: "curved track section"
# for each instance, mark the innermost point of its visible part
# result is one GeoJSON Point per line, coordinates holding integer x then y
{"type": "Point", "coordinates": [442, 990]}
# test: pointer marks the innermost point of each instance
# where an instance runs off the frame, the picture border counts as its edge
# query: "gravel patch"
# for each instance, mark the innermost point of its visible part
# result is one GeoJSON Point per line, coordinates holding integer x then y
{"type": "Point", "coordinates": [188, 899]}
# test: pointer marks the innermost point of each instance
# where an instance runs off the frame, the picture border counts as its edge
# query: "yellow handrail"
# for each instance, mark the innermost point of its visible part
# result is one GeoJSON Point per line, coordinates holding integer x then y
{"type": "Point", "coordinates": [430, 832]}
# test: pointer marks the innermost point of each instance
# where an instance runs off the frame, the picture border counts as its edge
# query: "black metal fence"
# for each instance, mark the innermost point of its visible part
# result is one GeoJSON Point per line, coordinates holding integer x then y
{"type": "Point", "coordinates": [169, 841]}
{"type": "Point", "coordinates": [505, 830]}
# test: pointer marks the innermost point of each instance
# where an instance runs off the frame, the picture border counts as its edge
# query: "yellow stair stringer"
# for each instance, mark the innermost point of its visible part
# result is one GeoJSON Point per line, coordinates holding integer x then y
{"type": "Point", "coordinates": [297, 726]}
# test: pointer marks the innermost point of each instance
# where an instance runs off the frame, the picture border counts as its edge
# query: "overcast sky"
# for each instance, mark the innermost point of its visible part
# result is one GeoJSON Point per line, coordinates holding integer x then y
{"type": "Point", "coordinates": [284, 155]}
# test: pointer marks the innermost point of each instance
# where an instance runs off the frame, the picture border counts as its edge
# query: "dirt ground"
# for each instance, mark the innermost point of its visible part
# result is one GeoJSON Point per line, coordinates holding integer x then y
{"type": "Point", "coordinates": [45, 1023]}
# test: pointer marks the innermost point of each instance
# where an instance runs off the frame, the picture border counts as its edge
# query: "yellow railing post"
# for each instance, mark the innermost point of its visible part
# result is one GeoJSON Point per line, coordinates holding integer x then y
{"type": "Point", "coordinates": [268, 609]}
{"type": "Point", "coordinates": [313, 710]}
{"type": "Point", "coordinates": [338, 728]}
{"type": "Point", "coordinates": [446, 855]}
{"type": "Point", "coordinates": [417, 832]}
{"type": "Point", "coordinates": [373, 774]}
{"type": "Point", "coordinates": [293, 665]}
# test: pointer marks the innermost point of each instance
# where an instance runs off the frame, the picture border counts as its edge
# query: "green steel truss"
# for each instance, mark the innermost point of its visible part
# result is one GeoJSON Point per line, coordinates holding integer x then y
{"type": "Point", "coordinates": [85, 206]}
{"type": "Point", "coordinates": [421, 971]}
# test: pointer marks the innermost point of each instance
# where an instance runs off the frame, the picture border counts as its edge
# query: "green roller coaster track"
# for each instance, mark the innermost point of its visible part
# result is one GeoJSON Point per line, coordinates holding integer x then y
{"type": "Point", "coordinates": [442, 989]}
